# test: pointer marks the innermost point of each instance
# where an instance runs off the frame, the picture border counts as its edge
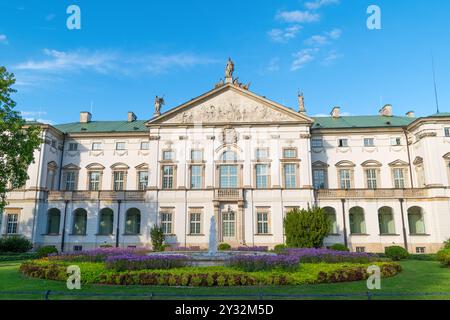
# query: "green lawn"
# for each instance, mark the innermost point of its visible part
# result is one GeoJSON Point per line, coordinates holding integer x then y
{"type": "Point", "coordinates": [417, 276]}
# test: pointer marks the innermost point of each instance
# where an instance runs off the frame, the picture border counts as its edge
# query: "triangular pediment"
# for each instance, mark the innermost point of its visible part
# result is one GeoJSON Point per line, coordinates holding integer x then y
{"type": "Point", "coordinates": [230, 104]}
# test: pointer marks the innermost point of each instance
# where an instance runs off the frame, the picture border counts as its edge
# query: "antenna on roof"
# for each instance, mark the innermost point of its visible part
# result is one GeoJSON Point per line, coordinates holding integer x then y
{"type": "Point", "coordinates": [434, 81]}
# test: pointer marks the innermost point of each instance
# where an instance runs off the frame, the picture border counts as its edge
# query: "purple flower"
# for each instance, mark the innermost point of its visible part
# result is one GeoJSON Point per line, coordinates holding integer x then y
{"type": "Point", "coordinates": [140, 262]}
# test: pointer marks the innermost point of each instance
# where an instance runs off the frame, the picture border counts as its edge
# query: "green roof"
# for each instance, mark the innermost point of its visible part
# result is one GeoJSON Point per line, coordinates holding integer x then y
{"type": "Point", "coordinates": [104, 126]}
{"type": "Point", "coordinates": [440, 114]}
{"type": "Point", "coordinates": [361, 122]}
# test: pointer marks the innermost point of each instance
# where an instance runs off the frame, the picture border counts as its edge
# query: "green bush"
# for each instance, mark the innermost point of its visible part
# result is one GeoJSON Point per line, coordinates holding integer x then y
{"type": "Point", "coordinates": [15, 244]}
{"type": "Point", "coordinates": [45, 251]}
{"type": "Point", "coordinates": [396, 253]}
{"type": "Point", "coordinates": [18, 256]}
{"type": "Point", "coordinates": [447, 244]}
{"type": "Point", "coordinates": [443, 257]}
{"type": "Point", "coordinates": [306, 228]}
{"type": "Point", "coordinates": [224, 247]}
{"type": "Point", "coordinates": [339, 247]}
{"type": "Point", "coordinates": [157, 236]}
{"type": "Point", "coordinates": [422, 257]}
{"type": "Point", "coordinates": [279, 248]}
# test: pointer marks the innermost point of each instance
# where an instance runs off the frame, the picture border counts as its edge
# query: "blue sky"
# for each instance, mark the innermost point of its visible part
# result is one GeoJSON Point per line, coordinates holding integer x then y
{"type": "Point", "coordinates": [129, 51]}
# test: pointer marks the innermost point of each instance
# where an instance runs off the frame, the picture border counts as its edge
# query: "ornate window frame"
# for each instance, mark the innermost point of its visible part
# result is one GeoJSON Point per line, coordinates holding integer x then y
{"type": "Point", "coordinates": [67, 169]}
{"type": "Point", "coordinates": [119, 167]}
{"type": "Point", "coordinates": [94, 167]}
{"type": "Point", "coordinates": [345, 165]}
{"type": "Point", "coordinates": [372, 165]}
{"type": "Point", "coordinates": [402, 165]}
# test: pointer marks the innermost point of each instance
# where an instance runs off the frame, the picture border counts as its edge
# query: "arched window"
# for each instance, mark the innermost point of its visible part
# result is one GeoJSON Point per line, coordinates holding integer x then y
{"type": "Point", "coordinates": [79, 222]}
{"type": "Point", "coordinates": [133, 221]}
{"type": "Point", "coordinates": [386, 220]}
{"type": "Point", "coordinates": [106, 221]}
{"type": "Point", "coordinates": [331, 214]}
{"type": "Point", "coordinates": [416, 221]}
{"type": "Point", "coordinates": [229, 156]}
{"type": "Point", "coordinates": [357, 221]}
{"type": "Point", "coordinates": [53, 221]}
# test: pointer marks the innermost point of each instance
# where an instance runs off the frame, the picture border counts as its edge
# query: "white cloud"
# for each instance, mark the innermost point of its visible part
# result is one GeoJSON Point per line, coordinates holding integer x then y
{"type": "Point", "coordinates": [297, 16]}
{"type": "Point", "coordinates": [331, 57]}
{"type": "Point", "coordinates": [325, 38]}
{"type": "Point", "coordinates": [273, 65]}
{"type": "Point", "coordinates": [107, 62]}
{"type": "Point", "coordinates": [317, 4]}
{"type": "Point", "coordinates": [303, 57]}
{"type": "Point", "coordinates": [284, 35]}
{"type": "Point", "coordinates": [3, 39]}
{"type": "Point", "coordinates": [334, 34]}
{"type": "Point", "coordinates": [35, 116]}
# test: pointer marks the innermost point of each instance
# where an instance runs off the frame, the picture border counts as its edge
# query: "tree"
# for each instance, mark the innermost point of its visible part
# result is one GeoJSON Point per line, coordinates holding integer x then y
{"type": "Point", "coordinates": [17, 140]}
{"type": "Point", "coordinates": [157, 236]}
{"type": "Point", "coordinates": [306, 228]}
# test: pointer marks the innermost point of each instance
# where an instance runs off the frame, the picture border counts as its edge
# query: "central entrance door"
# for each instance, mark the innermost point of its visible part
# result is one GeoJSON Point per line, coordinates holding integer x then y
{"type": "Point", "coordinates": [228, 225]}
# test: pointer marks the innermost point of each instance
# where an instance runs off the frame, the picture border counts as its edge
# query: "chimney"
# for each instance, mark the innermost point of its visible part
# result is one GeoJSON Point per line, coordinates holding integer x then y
{"type": "Point", "coordinates": [410, 114]}
{"type": "Point", "coordinates": [301, 104]}
{"type": "Point", "coordinates": [131, 117]}
{"type": "Point", "coordinates": [85, 117]}
{"type": "Point", "coordinates": [386, 111]}
{"type": "Point", "coordinates": [336, 112]}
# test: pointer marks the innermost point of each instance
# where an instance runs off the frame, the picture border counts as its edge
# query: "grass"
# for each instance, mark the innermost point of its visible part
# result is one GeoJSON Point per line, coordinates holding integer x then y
{"type": "Point", "coordinates": [417, 276]}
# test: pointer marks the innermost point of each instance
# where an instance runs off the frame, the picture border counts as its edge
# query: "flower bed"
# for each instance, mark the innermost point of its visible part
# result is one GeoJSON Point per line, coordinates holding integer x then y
{"type": "Point", "coordinates": [140, 262]}
{"type": "Point", "coordinates": [96, 273]}
{"type": "Point", "coordinates": [253, 249]}
{"type": "Point", "coordinates": [97, 255]}
{"type": "Point", "coordinates": [330, 256]}
{"type": "Point", "coordinates": [263, 263]}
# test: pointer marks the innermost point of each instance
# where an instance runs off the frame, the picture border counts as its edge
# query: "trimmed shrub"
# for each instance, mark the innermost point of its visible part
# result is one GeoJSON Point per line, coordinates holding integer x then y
{"type": "Point", "coordinates": [306, 228]}
{"type": "Point", "coordinates": [15, 244]}
{"type": "Point", "coordinates": [224, 247]}
{"type": "Point", "coordinates": [422, 257]}
{"type": "Point", "coordinates": [45, 251]}
{"type": "Point", "coordinates": [279, 248]}
{"type": "Point", "coordinates": [157, 236]}
{"type": "Point", "coordinates": [396, 253]}
{"type": "Point", "coordinates": [18, 256]}
{"type": "Point", "coordinates": [444, 257]}
{"type": "Point", "coordinates": [339, 247]}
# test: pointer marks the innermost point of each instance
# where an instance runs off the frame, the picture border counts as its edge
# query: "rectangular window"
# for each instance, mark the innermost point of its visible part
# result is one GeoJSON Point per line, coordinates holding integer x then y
{"type": "Point", "coordinates": [166, 222]}
{"type": "Point", "coordinates": [228, 176]}
{"type": "Point", "coordinates": [262, 222]}
{"type": "Point", "coordinates": [361, 249]}
{"type": "Point", "coordinates": [343, 143]}
{"type": "Point", "coordinates": [319, 179]}
{"type": "Point", "coordinates": [50, 179]}
{"type": "Point", "coordinates": [447, 132]}
{"type": "Point", "coordinates": [12, 224]}
{"type": "Point", "coordinates": [262, 176]}
{"type": "Point", "coordinates": [345, 181]}
{"type": "Point", "coordinates": [371, 175]}
{"type": "Point", "coordinates": [399, 179]}
{"type": "Point", "coordinates": [168, 155]}
{"type": "Point", "coordinates": [290, 176]}
{"type": "Point", "coordinates": [396, 141]}
{"type": "Point", "coordinates": [228, 224]}
{"type": "Point", "coordinates": [73, 146]}
{"type": "Point", "coordinates": [168, 174]}
{"type": "Point", "coordinates": [196, 155]}
{"type": "Point", "coordinates": [420, 250]}
{"type": "Point", "coordinates": [196, 177]}
{"type": "Point", "coordinates": [70, 180]}
{"type": "Point", "coordinates": [119, 180]}
{"type": "Point", "coordinates": [120, 146]}
{"type": "Point", "coordinates": [143, 180]}
{"type": "Point", "coordinates": [54, 143]}
{"type": "Point", "coordinates": [77, 248]}
{"type": "Point", "coordinates": [369, 142]}
{"type": "Point", "coordinates": [145, 145]}
{"type": "Point", "coordinates": [317, 142]}
{"type": "Point", "coordinates": [261, 154]}
{"type": "Point", "coordinates": [97, 146]}
{"type": "Point", "coordinates": [94, 181]}
{"type": "Point", "coordinates": [289, 153]}
{"type": "Point", "coordinates": [195, 223]}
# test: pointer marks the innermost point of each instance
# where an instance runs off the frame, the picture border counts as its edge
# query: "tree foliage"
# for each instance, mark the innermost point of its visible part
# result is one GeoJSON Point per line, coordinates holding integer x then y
{"type": "Point", "coordinates": [157, 236]}
{"type": "Point", "coordinates": [306, 228]}
{"type": "Point", "coordinates": [17, 140]}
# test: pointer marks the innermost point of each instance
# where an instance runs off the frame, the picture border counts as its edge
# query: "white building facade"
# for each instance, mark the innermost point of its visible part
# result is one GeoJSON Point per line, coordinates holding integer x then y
{"type": "Point", "coordinates": [244, 160]}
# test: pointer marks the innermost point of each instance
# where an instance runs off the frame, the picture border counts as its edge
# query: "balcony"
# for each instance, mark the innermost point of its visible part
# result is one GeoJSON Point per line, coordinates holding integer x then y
{"type": "Point", "coordinates": [228, 194]}
{"type": "Point", "coordinates": [96, 195]}
{"type": "Point", "coordinates": [372, 194]}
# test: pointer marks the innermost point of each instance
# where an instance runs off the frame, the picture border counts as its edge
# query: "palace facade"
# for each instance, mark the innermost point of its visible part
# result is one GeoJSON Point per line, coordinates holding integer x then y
{"type": "Point", "coordinates": [247, 161]}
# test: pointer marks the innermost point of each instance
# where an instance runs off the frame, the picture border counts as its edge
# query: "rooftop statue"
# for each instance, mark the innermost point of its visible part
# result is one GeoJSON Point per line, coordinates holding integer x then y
{"type": "Point", "coordinates": [229, 69]}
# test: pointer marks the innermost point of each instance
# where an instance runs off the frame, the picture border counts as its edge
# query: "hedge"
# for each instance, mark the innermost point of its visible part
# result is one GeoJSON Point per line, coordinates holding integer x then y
{"type": "Point", "coordinates": [17, 256]}
{"type": "Point", "coordinates": [95, 273]}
